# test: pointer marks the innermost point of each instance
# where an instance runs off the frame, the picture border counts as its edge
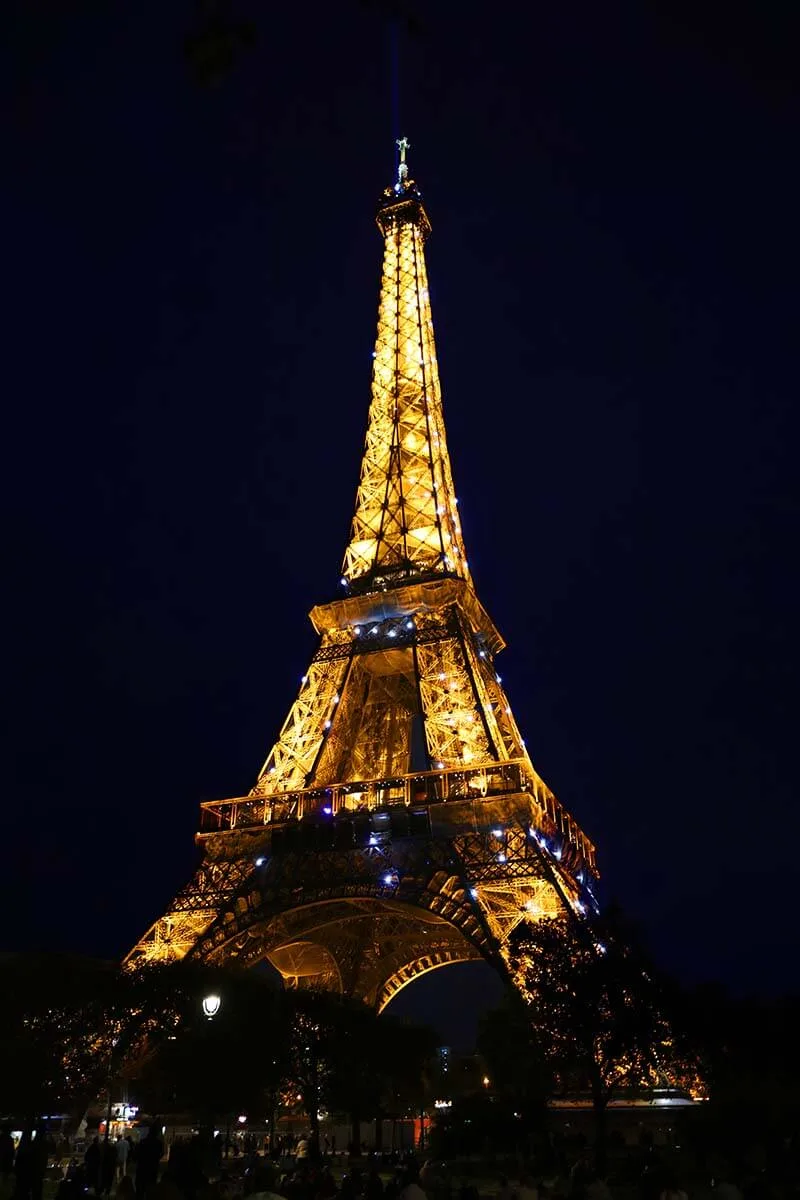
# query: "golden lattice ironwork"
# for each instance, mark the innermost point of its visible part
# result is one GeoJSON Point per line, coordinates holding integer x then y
{"type": "Point", "coordinates": [398, 823]}
{"type": "Point", "coordinates": [406, 517]}
{"type": "Point", "coordinates": [295, 753]}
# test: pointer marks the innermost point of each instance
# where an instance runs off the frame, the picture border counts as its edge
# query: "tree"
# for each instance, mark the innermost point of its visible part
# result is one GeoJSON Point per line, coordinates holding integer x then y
{"type": "Point", "coordinates": [68, 1025]}
{"type": "Point", "coordinates": [408, 1055]}
{"type": "Point", "coordinates": [517, 1067]}
{"type": "Point", "coordinates": [53, 1045]}
{"type": "Point", "coordinates": [384, 1071]}
{"type": "Point", "coordinates": [354, 1059]}
{"type": "Point", "coordinates": [344, 1057]}
{"type": "Point", "coordinates": [230, 1064]}
{"type": "Point", "coordinates": [314, 1019]}
{"type": "Point", "coordinates": [69, 1029]}
{"type": "Point", "coordinates": [751, 1061]}
{"type": "Point", "coordinates": [597, 1006]}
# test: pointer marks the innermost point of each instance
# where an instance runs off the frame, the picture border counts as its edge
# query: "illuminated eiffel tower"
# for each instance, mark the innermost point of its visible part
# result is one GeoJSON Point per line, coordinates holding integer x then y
{"type": "Point", "coordinates": [398, 824]}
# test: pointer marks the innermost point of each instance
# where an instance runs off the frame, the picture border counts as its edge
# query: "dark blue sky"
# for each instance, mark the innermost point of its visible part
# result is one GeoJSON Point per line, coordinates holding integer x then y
{"type": "Point", "coordinates": [191, 272]}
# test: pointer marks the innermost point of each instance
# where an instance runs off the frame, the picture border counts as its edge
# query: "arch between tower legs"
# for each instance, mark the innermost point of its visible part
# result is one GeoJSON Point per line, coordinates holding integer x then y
{"type": "Point", "coordinates": [364, 947]}
{"type": "Point", "coordinates": [368, 921]}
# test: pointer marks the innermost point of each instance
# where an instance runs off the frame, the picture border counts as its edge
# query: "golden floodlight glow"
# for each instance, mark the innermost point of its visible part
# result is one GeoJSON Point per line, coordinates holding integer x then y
{"type": "Point", "coordinates": [406, 516]}
{"type": "Point", "coordinates": [400, 759]}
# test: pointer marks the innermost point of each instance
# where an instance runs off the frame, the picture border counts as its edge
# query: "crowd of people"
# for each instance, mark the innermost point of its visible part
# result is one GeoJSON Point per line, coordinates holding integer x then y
{"type": "Point", "coordinates": [198, 1168]}
{"type": "Point", "coordinates": [108, 1165]}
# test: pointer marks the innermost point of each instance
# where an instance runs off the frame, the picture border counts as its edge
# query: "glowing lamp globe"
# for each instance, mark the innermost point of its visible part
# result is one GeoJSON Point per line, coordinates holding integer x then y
{"type": "Point", "coordinates": [211, 1006]}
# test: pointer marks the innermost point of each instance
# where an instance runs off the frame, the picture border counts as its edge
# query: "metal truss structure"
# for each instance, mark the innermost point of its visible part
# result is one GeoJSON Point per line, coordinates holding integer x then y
{"type": "Point", "coordinates": [406, 518]}
{"type": "Point", "coordinates": [398, 824]}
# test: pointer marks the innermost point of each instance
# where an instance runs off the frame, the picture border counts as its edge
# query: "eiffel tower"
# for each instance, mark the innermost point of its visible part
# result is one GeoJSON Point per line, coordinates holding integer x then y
{"type": "Point", "coordinates": [398, 824]}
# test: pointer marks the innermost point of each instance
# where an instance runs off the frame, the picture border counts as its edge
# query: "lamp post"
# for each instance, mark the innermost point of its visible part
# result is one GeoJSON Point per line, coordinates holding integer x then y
{"type": "Point", "coordinates": [111, 1073]}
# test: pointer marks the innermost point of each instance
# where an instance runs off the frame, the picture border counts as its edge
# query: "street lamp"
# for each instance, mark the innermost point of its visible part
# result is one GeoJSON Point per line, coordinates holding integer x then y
{"type": "Point", "coordinates": [211, 1005]}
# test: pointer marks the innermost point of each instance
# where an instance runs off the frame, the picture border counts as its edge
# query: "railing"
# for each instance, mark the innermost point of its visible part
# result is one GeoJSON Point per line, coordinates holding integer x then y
{"type": "Point", "coordinates": [423, 788]}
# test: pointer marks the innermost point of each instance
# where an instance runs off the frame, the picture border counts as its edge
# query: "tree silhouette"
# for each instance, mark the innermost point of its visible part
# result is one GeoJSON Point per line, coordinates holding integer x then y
{"type": "Point", "coordinates": [233, 1063]}
{"type": "Point", "coordinates": [69, 1025]}
{"type": "Point", "coordinates": [52, 1013]}
{"type": "Point", "coordinates": [346, 1058]}
{"type": "Point", "coordinates": [69, 1029]}
{"type": "Point", "coordinates": [598, 1007]}
{"type": "Point", "coordinates": [518, 1069]}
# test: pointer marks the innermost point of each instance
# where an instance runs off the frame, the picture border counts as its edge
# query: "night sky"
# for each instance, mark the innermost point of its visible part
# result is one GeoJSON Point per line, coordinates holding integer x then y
{"type": "Point", "coordinates": [190, 272]}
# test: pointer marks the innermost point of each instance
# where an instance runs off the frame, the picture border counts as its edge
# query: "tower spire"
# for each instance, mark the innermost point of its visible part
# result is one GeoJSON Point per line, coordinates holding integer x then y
{"type": "Point", "coordinates": [406, 524]}
{"type": "Point", "coordinates": [403, 145]}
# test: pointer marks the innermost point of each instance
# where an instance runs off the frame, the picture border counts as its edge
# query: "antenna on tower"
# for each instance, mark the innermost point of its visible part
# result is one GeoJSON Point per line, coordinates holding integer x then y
{"type": "Point", "coordinates": [403, 145]}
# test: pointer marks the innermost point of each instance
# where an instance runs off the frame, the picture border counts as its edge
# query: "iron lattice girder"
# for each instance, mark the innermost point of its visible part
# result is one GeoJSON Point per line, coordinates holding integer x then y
{"type": "Point", "coordinates": [468, 845]}
{"type": "Point", "coordinates": [392, 633]}
{"type": "Point", "coordinates": [361, 946]}
{"type": "Point", "coordinates": [467, 717]}
{"type": "Point", "coordinates": [430, 960]}
{"type": "Point", "coordinates": [406, 514]}
{"type": "Point", "coordinates": [211, 885]}
{"type": "Point", "coordinates": [472, 799]}
{"type": "Point", "coordinates": [408, 645]}
{"type": "Point", "coordinates": [300, 879]}
{"type": "Point", "coordinates": [461, 881]}
{"type": "Point", "coordinates": [433, 597]}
